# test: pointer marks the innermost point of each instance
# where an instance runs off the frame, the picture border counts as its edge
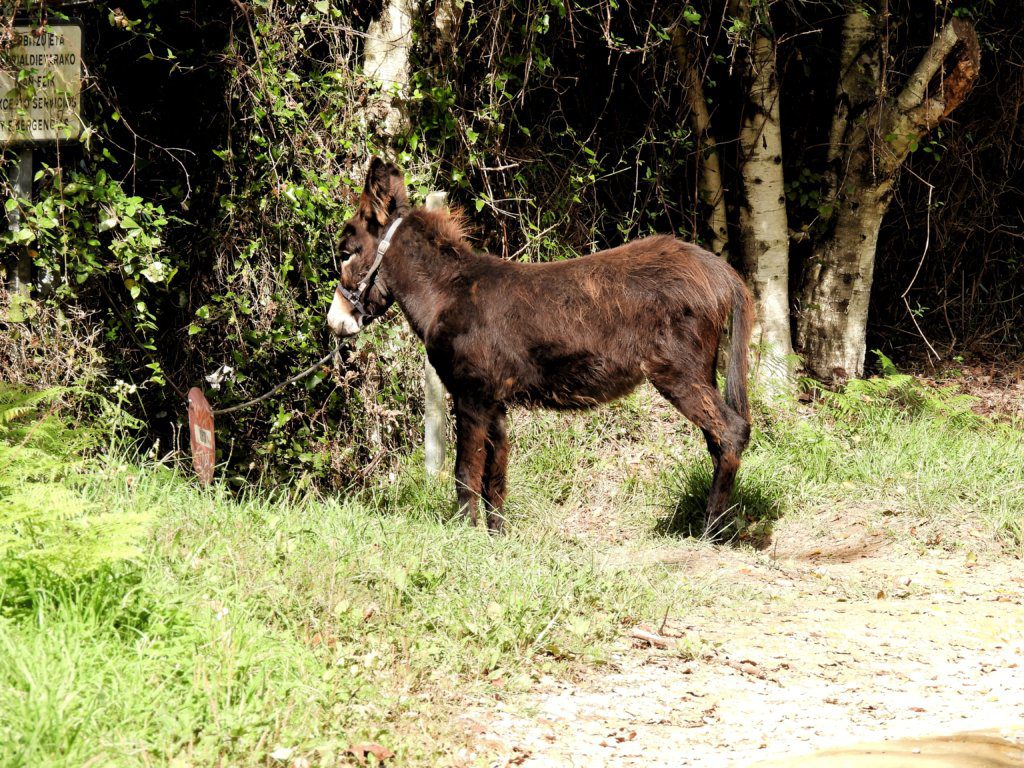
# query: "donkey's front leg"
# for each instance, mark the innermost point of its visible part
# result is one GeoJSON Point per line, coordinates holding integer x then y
{"type": "Point", "coordinates": [495, 469]}
{"type": "Point", "coordinates": [471, 423]}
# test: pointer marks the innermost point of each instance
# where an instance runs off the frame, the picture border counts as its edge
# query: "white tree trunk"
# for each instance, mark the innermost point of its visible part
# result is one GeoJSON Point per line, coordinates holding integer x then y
{"type": "Point", "coordinates": [859, 82]}
{"type": "Point", "coordinates": [833, 335]}
{"type": "Point", "coordinates": [386, 61]}
{"type": "Point", "coordinates": [435, 405]}
{"type": "Point", "coordinates": [866, 155]}
{"type": "Point", "coordinates": [764, 226]}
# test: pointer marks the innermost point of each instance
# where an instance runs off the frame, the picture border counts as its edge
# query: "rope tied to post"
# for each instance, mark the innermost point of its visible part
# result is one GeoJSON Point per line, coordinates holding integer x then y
{"type": "Point", "coordinates": [334, 353]}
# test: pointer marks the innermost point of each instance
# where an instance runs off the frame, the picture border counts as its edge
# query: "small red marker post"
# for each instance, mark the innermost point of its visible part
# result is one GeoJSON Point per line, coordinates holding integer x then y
{"type": "Point", "coordinates": [201, 438]}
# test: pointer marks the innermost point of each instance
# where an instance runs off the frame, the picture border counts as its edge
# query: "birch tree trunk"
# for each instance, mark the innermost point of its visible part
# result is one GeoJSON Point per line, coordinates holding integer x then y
{"type": "Point", "coordinates": [386, 61]}
{"type": "Point", "coordinates": [764, 227]}
{"type": "Point", "coordinates": [869, 144]}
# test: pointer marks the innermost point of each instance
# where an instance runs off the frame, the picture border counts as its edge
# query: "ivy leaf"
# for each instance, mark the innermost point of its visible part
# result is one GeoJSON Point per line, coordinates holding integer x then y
{"type": "Point", "coordinates": [323, 6]}
{"type": "Point", "coordinates": [108, 223]}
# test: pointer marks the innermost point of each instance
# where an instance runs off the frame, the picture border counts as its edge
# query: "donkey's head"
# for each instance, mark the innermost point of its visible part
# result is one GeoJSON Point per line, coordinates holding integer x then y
{"type": "Point", "coordinates": [361, 295]}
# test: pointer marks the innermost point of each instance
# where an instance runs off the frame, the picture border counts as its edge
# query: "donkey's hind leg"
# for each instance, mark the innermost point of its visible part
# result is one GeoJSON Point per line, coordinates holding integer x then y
{"type": "Point", "coordinates": [495, 470]}
{"type": "Point", "coordinates": [726, 432]}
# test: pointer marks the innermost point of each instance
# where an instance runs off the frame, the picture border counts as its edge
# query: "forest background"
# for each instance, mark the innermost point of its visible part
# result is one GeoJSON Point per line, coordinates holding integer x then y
{"type": "Point", "coordinates": [195, 224]}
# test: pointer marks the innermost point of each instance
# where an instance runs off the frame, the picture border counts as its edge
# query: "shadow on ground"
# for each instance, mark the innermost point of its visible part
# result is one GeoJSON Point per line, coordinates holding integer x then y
{"type": "Point", "coordinates": [756, 505]}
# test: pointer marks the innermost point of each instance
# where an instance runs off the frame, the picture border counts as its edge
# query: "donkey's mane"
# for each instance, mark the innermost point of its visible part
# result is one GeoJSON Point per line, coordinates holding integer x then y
{"type": "Point", "coordinates": [449, 227]}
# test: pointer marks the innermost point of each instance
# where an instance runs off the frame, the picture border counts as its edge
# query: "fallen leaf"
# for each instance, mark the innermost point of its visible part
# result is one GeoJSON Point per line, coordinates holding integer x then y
{"type": "Point", "coordinates": [518, 757]}
{"type": "Point", "coordinates": [363, 749]}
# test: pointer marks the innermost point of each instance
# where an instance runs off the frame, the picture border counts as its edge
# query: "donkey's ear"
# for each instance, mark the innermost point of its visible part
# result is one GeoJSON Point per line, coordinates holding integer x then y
{"type": "Point", "coordinates": [384, 193]}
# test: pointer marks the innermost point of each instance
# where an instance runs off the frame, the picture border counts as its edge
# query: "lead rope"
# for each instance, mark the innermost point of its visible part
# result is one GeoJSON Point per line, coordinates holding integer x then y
{"type": "Point", "coordinates": [336, 352]}
{"type": "Point", "coordinates": [364, 288]}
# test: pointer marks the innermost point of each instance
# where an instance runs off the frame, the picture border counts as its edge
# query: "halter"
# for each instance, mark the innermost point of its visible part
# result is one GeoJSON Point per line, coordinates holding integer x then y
{"type": "Point", "coordinates": [358, 297]}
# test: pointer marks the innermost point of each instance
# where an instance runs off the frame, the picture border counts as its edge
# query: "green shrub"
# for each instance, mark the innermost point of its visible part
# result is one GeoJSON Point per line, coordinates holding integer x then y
{"type": "Point", "coordinates": [897, 394]}
{"type": "Point", "coordinates": [51, 532]}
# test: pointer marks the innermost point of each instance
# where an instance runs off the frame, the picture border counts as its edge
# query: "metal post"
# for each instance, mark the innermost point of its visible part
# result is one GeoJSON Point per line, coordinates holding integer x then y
{"type": "Point", "coordinates": [21, 179]}
{"type": "Point", "coordinates": [435, 412]}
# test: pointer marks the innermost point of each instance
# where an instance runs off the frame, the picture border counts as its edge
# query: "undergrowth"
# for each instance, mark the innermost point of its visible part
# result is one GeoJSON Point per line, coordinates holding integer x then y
{"type": "Point", "coordinates": [51, 532]}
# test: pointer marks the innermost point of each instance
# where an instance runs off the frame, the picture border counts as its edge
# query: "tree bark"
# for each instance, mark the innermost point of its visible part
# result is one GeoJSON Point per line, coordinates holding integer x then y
{"type": "Point", "coordinates": [709, 186]}
{"type": "Point", "coordinates": [868, 146]}
{"type": "Point", "coordinates": [832, 326]}
{"type": "Point", "coordinates": [764, 226]}
{"type": "Point", "coordinates": [858, 84]}
{"type": "Point", "coordinates": [386, 61]}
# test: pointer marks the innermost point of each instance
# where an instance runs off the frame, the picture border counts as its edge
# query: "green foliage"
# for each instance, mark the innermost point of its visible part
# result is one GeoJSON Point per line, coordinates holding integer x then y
{"type": "Point", "coordinates": [51, 532]}
{"type": "Point", "coordinates": [555, 173]}
{"type": "Point", "coordinates": [897, 393]}
{"type": "Point", "coordinates": [16, 406]}
{"type": "Point", "coordinates": [190, 259]}
{"type": "Point", "coordinates": [198, 238]}
{"type": "Point", "coordinates": [87, 229]}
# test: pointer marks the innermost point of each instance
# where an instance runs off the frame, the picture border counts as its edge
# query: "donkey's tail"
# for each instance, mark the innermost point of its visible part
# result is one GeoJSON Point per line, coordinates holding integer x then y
{"type": "Point", "coordinates": [739, 348]}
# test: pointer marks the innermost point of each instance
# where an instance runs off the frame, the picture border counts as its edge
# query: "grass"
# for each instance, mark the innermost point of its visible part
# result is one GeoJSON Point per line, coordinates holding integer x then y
{"type": "Point", "coordinates": [285, 627]}
{"type": "Point", "coordinates": [916, 463]}
{"type": "Point", "coordinates": [298, 626]}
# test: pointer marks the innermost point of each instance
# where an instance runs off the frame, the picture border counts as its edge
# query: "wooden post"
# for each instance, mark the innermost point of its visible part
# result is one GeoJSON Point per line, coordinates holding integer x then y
{"type": "Point", "coordinates": [21, 276]}
{"type": "Point", "coordinates": [202, 438]}
{"type": "Point", "coordinates": [435, 411]}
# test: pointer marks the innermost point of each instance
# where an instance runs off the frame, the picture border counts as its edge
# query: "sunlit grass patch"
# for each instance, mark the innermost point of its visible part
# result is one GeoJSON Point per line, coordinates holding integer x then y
{"type": "Point", "coordinates": [892, 448]}
{"type": "Point", "coordinates": [295, 624]}
{"type": "Point", "coordinates": [304, 624]}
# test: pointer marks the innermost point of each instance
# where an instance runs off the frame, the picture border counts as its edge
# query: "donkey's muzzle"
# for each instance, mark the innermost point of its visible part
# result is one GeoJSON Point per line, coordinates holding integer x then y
{"type": "Point", "coordinates": [342, 318]}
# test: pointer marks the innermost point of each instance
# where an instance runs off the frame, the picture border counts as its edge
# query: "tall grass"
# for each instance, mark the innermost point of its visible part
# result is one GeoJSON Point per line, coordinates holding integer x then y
{"type": "Point", "coordinates": [267, 624]}
{"type": "Point", "coordinates": [284, 626]}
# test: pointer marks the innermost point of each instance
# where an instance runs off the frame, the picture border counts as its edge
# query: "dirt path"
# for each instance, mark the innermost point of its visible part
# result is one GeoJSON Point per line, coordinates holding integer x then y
{"type": "Point", "coordinates": [849, 642]}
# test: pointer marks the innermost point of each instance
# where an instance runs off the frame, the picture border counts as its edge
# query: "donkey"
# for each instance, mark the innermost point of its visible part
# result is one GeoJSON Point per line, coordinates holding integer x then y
{"type": "Point", "coordinates": [566, 335]}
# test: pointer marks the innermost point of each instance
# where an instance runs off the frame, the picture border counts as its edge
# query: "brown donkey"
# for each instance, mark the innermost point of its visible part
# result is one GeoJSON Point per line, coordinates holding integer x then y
{"type": "Point", "coordinates": [568, 334]}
